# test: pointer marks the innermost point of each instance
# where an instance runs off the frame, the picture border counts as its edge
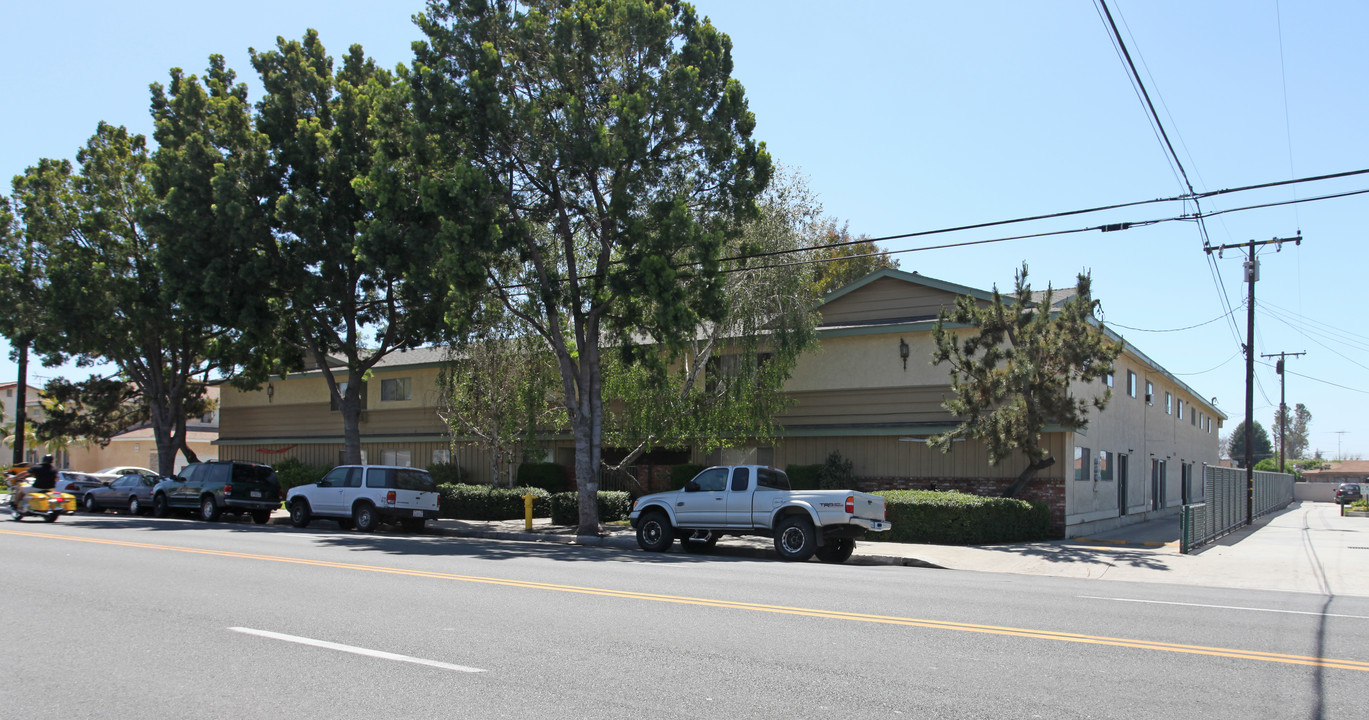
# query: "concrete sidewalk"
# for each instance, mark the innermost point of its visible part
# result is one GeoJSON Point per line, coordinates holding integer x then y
{"type": "Point", "coordinates": [1306, 547]}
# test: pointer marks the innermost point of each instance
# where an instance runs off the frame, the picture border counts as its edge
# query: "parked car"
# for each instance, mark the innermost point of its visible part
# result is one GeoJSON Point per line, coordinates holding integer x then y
{"type": "Point", "coordinates": [132, 493]}
{"type": "Point", "coordinates": [366, 495]}
{"type": "Point", "coordinates": [76, 483]}
{"type": "Point", "coordinates": [1348, 493]}
{"type": "Point", "coordinates": [110, 474]}
{"type": "Point", "coordinates": [757, 500]}
{"type": "Point", "coordinates": [218, 486]}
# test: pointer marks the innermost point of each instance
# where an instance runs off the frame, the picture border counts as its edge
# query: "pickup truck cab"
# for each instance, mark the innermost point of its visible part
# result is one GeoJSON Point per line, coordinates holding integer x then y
{"type": "Point", "coordinates": [757, 500]}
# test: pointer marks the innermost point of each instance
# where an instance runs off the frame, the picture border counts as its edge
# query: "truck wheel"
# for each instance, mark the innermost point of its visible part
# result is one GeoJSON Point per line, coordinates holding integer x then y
{"type": "Point", "coordinates": [837, 550]}
{"type": "Point", "coordinates": [654, 533]}
{"type": "Point", "coordinates": [159, 506]}
{"type": "Point", "coordinates": [364, 515]}
{"type": "Point", "coordinates": [299, 514]}
{"type": "Point", "coordinates": [700, 541]}
{"type": "Point", "coordinates": [209, 509]}
{"type": "Point", "coordinates": [795, 538]}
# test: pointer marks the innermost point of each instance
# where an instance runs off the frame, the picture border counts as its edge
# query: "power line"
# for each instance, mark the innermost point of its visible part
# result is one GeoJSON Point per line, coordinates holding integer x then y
{"type": "Point", "coordinates": [1190, 327]}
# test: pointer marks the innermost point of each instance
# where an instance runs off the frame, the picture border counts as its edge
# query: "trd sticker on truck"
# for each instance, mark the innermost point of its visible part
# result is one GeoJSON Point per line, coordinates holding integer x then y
{"type": "Point", "coordinates": [832, 505]}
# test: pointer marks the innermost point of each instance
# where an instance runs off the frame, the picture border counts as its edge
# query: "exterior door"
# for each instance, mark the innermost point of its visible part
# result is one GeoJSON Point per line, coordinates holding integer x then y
{"type": "Point", "coordinates": [327, 499]}
{"type": "Point", "coordinates": [739, 498]}
{"type": "Point", "coordinates": [1122, 459]}
{"type": "Point", "coordinates": [705, 506]}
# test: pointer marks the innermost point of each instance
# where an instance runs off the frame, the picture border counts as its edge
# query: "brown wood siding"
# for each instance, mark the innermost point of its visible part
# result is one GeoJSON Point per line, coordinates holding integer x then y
{"type": "Point", "coordinates": [471, 458]}
{"type": "Point", "coordinates": [885, 299]}
{"type": "Point", "coordinates": [888, 457]}
{"type": "Point", "coordinates": [316, 420]}
{"type": "Point", "coordinates": [868, 406]}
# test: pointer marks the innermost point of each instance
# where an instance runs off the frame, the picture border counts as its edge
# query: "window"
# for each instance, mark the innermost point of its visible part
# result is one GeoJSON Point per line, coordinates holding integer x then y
{"type": "Point", "coordinates": [442, 455]}
{"type": "Point", "coordinates": [1181, 409]}
{"type": "Point", "coordinates": [402, 458]}
{"type": "Point", "coordinates": [1193, 417]}
{"type": "Point", "coordinates": [1131, 383]}
{"type": "Point", "coordinates": [1209, 426]}
{"type": "Point", "coordinates": [767, 478]}
{"type": "Point", "coordinates": [741, 478]}
{"type": "Point", "coordinates": [1150, 393]}
{"type": "Point", "coordinates": [1169, 404]}
{"type": "Point", "coordinates": [711, 480]}
{"type": "Point", "coordinates": [396, 389]}
{"type": "Point", "coordinates": [1105, 460]}
{"type": "Point", "coordinates": [1107, 380]}
{"type": "Point", "coordinates": [1082, 469]}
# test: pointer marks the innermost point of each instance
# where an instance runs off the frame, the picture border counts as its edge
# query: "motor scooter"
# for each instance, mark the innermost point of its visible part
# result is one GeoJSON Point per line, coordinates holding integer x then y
{"type": "Point", "coordinates": [46, 504]}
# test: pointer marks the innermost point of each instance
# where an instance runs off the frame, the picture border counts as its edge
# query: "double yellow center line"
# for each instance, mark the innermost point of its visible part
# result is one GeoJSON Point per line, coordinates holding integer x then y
{"type": "Point", "coordinates": [753, 607]}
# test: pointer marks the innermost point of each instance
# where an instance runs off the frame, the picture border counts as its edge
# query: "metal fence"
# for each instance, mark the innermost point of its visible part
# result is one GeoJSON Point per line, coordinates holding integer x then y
{"type": "Point", "coordinates": [1224, 509]}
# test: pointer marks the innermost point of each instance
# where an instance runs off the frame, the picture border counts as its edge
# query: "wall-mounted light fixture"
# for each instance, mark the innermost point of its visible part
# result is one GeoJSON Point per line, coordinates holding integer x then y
{"type": "Point", "coordinates": [903, 352]}
{"type": "Point", "coordinates": [270, 392]}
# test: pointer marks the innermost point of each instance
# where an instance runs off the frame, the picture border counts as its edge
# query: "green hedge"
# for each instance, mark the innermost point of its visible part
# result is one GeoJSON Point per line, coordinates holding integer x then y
{"type": "Point", "coordinates": [446, 473]}
{"type": "Point", "coordinates": [613, 505]}
{"type": "Point", "coordinates": [549, 476]}
{"type": "Point", "coordinates": [681, 474]}
{"type": "Point", "coordinates": [952, 518]}
{"type": "Point", "coordinates": [482, 502]}
{"type": "Point", "coordinates": [804, 477]}
{"type": "Point", "coordinates": [293, 473]}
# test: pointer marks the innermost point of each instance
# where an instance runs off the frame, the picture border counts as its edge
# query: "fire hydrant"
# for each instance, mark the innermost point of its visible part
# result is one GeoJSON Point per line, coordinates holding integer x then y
{"type": "Point", "coordinates": [527, 512]}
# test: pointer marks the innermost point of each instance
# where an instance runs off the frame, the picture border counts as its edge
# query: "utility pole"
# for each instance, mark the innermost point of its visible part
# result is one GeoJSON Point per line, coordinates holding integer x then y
{"type": "Point", "coordinates": [1252, 274]}
{"type": "Point", "coordinates": [1283, 406]}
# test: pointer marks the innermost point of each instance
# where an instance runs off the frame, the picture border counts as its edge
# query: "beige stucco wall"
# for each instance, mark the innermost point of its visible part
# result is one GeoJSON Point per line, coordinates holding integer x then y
{"type": "Point", "coordinates": [1146, 434]}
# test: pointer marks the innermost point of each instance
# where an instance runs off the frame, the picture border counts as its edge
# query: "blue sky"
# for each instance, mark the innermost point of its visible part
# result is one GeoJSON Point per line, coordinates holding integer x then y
{"type": "Point", "coordinates": [916, 116]}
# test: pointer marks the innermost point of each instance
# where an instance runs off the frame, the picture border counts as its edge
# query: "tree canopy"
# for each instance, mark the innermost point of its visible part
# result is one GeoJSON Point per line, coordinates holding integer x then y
{"type": "Point", "coordinates": [1260, 450]}
{"type": "Point", "coordinates": [1012, 377]}
{"type": "Point", "coordinates": [840, 259]}
{"type": "Point", "coordinates": [617, 149]}
{"type": "Point", "coordinates": [1296, 428]}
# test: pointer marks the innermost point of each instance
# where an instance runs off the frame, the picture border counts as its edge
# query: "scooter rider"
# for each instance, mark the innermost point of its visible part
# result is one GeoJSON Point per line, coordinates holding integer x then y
{"type": "Point", "coordinates": [41, 478]}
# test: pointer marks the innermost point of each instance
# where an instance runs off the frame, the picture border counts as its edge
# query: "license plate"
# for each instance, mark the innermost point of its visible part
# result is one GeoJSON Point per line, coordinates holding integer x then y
{"type": "Point", "coordinates": [418, 513]}
{"type": "Point", "coordinates": [255, 493]}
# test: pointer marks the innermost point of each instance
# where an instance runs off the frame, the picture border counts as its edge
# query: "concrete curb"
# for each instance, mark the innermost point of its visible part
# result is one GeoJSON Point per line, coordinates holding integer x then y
{"type": "Point", "coordinates": [620, 542]}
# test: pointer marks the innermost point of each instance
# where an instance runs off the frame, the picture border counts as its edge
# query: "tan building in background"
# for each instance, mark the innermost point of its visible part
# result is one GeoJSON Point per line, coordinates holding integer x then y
{"type": "Point", "coordinates": [868, 392]}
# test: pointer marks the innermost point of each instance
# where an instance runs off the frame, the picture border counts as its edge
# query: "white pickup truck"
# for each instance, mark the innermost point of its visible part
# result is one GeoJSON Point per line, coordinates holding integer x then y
{"type": "Point", "coordinates": [757, 500]}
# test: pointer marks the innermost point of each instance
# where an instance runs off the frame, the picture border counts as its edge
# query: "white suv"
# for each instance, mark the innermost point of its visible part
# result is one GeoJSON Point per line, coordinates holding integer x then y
{"type": "Point", "coordinates": [366, 495]}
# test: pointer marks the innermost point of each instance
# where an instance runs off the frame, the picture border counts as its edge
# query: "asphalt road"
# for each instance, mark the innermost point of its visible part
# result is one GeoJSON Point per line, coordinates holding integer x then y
{"type": "Point", "coordinates": [122, 617]}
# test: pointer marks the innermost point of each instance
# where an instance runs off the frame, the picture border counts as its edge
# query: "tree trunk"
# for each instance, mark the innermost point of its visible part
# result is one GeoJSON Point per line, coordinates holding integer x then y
{"type": "Point", "coordinates": [587, 425]}
{"type": "Point", "coordinates": [1021, 483]}
{"type": "Point", "coordinates": [350, 407]}
{"type": "Point", "coordinates": [161, 436]}
{"type": "Point", "coordinates": [21, 394]}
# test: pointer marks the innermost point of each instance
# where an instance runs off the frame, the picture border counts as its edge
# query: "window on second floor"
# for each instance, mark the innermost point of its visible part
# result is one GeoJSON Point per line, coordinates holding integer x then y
{"type": "Point", "coordinates": [1150, 393]}
{"type": "Point", "coordinates": [342, 390]}
{"type": "Point", "coordinates": [1169, 403]}
{"type": "Point", "coordinates": [396, 389]}
{"type": "Point", "coordinates": [1131, 383]}
{"type": "Point", "coordinates": [1181, 409]}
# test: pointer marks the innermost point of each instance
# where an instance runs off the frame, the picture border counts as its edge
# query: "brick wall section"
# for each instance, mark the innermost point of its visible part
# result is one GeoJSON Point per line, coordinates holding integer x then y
{"type": "Point", "coordinates": [1048, 490]}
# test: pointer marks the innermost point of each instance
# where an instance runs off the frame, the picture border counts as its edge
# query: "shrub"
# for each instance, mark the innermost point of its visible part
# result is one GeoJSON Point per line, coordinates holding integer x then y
{"type": "Point", "coordinates": [803, 477]}
{"type": "Point", "coordinates": [293, 473]}
{"type": "Point", "coordinates": [836, 473]}
{"type": "Point", "coordinates": [952, 518]}
{"type": "Point", "coordinates": [549, 476]}
{"type": "Point", "coordinates": [446, 473]}
{"type": "Point", "coordinates": [613, 505]}
{"type": "Point", "coordinates": [681, 474]}
{"type": "Point", "coordinates": [482, 502]}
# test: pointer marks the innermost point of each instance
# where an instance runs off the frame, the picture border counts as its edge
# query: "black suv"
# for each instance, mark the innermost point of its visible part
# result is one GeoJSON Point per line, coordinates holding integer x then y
{"type": "Point", "coordinates": [219, 486]}
{"type": "Point", "coordinates": [1348, 493]}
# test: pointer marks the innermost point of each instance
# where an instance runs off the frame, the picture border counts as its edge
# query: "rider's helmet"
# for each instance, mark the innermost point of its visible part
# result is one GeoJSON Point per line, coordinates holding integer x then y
{"type": "Point", "coordinates": [47, 459]}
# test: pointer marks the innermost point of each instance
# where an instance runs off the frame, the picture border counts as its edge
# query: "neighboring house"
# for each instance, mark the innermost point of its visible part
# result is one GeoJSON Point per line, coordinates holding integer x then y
{"type": "Point", "coordinates": [33, 412]}
{"type": "Point", "coordinates": [869, 392]}
{"type": "Point", "coordinates": [131, 447]}
{"type": "Point", "coordinates": [137, 447]}
{"type": "Point", "coordinates": [1339, 471]}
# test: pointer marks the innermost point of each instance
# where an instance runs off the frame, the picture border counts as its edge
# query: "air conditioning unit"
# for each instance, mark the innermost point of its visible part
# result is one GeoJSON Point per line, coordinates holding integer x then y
{"type": "Point", "coordinates": [1148, 400]}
